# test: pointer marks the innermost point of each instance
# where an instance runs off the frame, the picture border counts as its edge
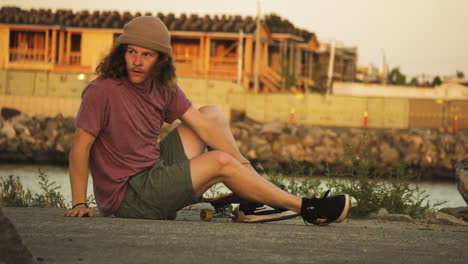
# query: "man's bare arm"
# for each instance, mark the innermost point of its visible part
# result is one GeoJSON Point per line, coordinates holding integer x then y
{"type": "Point", "coordinates": [78, 164]}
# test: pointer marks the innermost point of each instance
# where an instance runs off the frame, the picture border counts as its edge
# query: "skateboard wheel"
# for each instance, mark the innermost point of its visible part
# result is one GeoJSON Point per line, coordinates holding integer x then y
{"type": "Point", "coordinates": [239, 216]}
{"type": "Point", "coordinates": [206, 214]}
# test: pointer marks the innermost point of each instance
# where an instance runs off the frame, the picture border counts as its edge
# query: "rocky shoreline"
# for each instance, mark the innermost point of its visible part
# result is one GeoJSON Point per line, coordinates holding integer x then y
{"type": "Point", "coordinates": [426, 153]}
{"type": "Point", "coordinates": [433, 155]}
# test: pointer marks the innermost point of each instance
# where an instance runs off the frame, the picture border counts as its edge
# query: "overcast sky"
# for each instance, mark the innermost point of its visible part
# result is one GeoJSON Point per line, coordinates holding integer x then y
{"type": "Point", "coordinates": [419, 36]}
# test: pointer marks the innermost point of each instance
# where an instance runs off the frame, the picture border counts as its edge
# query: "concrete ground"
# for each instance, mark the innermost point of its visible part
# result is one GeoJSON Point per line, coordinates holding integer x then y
{"type": "Point", "coordinates": [52, 238]}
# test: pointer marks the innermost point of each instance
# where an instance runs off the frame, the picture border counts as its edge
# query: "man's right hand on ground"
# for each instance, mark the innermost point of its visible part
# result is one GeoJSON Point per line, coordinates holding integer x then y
{"type": "Point", "coordinates": [79, 211]}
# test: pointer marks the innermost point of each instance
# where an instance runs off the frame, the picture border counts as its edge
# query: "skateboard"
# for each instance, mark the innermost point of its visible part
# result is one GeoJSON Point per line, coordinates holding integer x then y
{"type": "Point", "coordinates": [247, 212]}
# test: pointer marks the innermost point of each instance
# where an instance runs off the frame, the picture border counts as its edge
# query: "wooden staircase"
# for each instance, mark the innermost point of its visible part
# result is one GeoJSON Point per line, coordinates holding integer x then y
{"type": "Point", "coordinates": [271, 80]}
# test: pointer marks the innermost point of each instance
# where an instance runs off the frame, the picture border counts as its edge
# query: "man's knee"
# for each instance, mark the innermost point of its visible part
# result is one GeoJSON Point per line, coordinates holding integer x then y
{"type": "Point", "coordinates": [213, 113]}
{"type": "Point", "coordinates": [223, 160]}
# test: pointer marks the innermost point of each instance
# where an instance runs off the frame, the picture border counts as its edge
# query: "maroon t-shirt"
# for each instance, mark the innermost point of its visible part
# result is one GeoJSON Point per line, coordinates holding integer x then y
{"type": "Point", "coordinates": [126, 122]}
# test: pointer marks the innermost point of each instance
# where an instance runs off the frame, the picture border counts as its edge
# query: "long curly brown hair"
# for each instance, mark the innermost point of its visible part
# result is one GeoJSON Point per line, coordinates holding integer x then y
{"type": "Point", "coordinates": [113, 66]}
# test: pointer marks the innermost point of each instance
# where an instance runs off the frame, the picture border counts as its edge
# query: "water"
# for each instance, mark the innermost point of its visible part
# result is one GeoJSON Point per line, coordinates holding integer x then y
{"type": "Point", "coordinates": [28, 175]}
{"type": "Point", "coordinates": [437, 191]}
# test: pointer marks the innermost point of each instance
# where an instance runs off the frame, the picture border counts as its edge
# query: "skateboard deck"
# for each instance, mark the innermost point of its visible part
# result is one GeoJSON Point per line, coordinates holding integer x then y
{"type": "Point", "coordinates": [222, 208]}
{"type": "Point", "coordinates": [241, 217]}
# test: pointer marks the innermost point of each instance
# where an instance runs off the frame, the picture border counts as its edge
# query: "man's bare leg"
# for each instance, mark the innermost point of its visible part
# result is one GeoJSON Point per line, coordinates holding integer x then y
{"type": "Point", "coordinates": [216, 166]}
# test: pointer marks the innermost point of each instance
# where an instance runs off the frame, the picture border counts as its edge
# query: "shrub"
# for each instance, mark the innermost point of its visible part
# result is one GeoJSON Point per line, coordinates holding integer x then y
{"type": "Point", "coordinates": [369, 188]}
{"type": "Point", "coordinates": [12, 193]}
{"type": "Point", "coordinates": [50, 196]}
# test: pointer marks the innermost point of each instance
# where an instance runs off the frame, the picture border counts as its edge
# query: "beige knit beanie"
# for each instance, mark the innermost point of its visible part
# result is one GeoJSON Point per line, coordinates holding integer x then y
{"type": "Point", "coordinates": [147, 32]}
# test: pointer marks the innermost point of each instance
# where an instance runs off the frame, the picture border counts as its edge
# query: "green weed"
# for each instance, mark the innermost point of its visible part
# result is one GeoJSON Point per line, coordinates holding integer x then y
{"type": "Point", "coordinates": [50, 196]}
{"type": "Point", "coordinates": [13, 194]}
{"type": "Point", "coordinates": [371, 189]}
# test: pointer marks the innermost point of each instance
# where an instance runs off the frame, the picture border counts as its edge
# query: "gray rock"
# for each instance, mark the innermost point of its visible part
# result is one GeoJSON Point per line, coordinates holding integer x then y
{"type": "Point", "coordinates": [461, 176]}
{"type": "Point", "coordinates": [273, 127]}
{"type": "Point", "coordinates": [389, 155]}
{"type": "Point", "coordinates": [383, 214]}
{"type": "Point", "coordinates": [379, 213]}
{"type": "Point", "coordinates": [8, 113]}
{"type": "Point", "coordinates": [458, 212]}
{"type": "Point", "coordinates": [69, 124]}
{"type": "Point", "coordinates": [51, 129]}
{"type": "Point", "coordinates": [442, 218]}
{"type": "Point", "coordinates": [64, 143]}
{"type": "Point", "coordinates": [12, 249]}
{"type": "Point", "coordinates": [12, 145]}
{"type": "Point", "coordinates": [21, 129]}
{"type": "Point", "coordinates": [22, 118]}
{"type": "Point", "coordinates": [40, 118]}
{"type": "Point", "coordinates": [8, 131]}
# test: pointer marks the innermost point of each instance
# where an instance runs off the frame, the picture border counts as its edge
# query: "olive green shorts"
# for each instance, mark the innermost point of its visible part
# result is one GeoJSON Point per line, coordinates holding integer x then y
{"type": "Point", "coordinates": [160, 191]}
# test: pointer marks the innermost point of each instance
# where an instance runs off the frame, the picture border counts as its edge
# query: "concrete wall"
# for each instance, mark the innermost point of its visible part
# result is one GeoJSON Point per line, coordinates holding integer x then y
{"type": "Point", "coordinates": [314, 109]}
{"type": "Point", "coordinates": [50, 93]}
{"type": "Point", "coordinates": [45, 105]}
{"type": "Point", "coordinates": [40, 83]}
{"type": "Point", "coordinates": [445, 91]}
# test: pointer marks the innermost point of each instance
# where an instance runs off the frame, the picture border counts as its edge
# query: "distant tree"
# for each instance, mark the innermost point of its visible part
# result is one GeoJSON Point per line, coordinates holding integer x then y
{"type": "Point", "coordinates": [460, 74]}
{"type": "Point", "coordinates": [437, 81]}
{"type": "Point", "coordinates": [414, 81]}
{"type": "Point", "coordinates": [395, 77]}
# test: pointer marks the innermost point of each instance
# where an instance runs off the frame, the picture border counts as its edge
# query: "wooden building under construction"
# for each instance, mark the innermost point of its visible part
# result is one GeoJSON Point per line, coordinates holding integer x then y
{"type": "Point", "coordinates": [216, 47]}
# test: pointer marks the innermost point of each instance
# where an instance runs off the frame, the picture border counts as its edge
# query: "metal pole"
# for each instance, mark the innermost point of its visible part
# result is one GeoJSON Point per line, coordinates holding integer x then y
{"type": "Point", "coordinates": [240, 56]}
{"type": "Point", "coordinates": [384, 67]}
{"type": "Point", "coordinates": [331, 66]}
{"type": "Point", "coordinates": [257, 50]}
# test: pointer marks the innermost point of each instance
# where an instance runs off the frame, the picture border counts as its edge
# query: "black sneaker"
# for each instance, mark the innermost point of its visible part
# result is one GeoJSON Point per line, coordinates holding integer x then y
{"type": "Point", "coordinates": [259, 213]}
{"type": "Point", "coordinates": [323, 211]}
{"type": "Point", "coordinates": [252, 208]}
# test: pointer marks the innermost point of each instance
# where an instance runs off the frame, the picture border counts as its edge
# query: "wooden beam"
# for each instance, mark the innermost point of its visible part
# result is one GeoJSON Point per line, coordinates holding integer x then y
{"type": "Point", "coordinates": [229, 49]}
{"type": "Point", "coordinates": [212, 35]}
{"type": "Point", "coordinates": [264, 59]}
{"type": "Point", "coordinates": [54, 46]}
{"type": "Point", "coordinates": [291, 58]}
{"type": "Point", "coordinates": [248, 56]}
{"type": "Point", "coordinates": [46, 48]}
{"type": "Point", "coordinates": [61, 47]}
{"type": "Point", "coordinates": [298, 62]}
{"type": "Point", "coordinates": [240, 51]}
{"type": "Point", "coordinates": [68, 50]}
{"type": "Point", "coordinates": [201, 54]}
{"type": "Point", "coordinates": [207, 54]}
{"type": "Point", "coordinates": [283, 36]}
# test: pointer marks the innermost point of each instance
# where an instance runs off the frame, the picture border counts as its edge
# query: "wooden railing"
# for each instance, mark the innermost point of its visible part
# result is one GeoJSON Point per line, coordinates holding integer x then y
{"type": "Point", "coordinates": [223, 68]}
{"type": "Point", "coordinates": [27, 55]}
{"type": "Point", "coordinates": [75, 58]}
{"type": "Point", "coordinates": [40, 56]}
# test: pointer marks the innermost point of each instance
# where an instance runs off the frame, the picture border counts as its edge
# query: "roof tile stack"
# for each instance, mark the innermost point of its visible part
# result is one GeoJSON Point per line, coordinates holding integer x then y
{"type": "Point", "coordinates": [114, 19]}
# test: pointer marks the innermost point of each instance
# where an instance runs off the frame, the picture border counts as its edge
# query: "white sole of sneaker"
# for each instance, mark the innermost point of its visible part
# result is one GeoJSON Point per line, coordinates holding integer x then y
{"type": "Point", "coordinates": [240, 217]}
{"type": "Point", "coordinates": [346, 210]}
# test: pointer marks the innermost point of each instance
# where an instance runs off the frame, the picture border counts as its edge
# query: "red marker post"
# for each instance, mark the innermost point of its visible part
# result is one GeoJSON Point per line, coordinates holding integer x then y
{"type": "Point", "coordinates": [455, 123]}
{"type": "Point", "coordinates": [365, 118]}
{"type": "Point", "coordinates": [291, 116]}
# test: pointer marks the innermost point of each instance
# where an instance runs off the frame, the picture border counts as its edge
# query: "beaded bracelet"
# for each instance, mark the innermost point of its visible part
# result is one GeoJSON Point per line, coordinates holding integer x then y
{"type": "Point", "coordinates": [80, 204]}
